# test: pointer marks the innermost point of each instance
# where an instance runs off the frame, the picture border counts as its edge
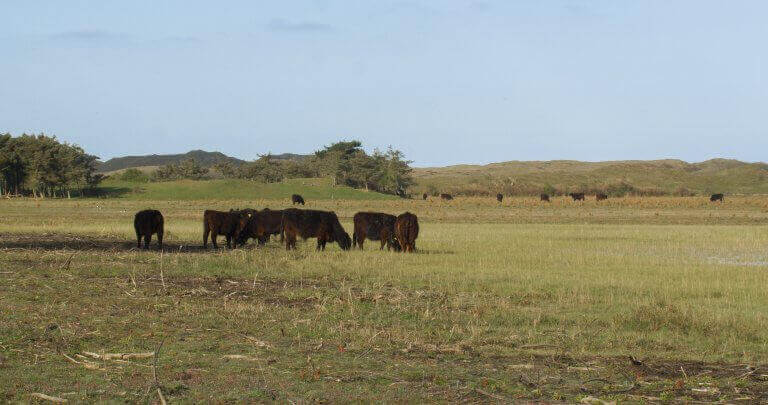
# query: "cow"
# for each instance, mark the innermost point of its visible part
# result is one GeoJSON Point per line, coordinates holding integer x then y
{"type": "Point", "coordinates": [577, 196]}
{"type": "Point", "coordinates": [323, 225]}
{"type": "Point", "coordinates": [717, 197]}
{"type": "Point", "coordinates": [406, 231]}
{"type": "Point", "coordinates": [544, 197]}
{"type": "Point", "coordinates": [424, 196]}
{"type": "Point", "coordinates": [146, 223]}
{"type": "Point", "coordinates": [446, 197]}
{"type": "Point", "coordinates": [601, 196]}
{"type": "Point", "coordinates": [499, 197]}
{"type": "Point", "coordinates": [260, 226]}
{"type": "Point", "coordinates": [375, 226]}
{"type": "Point", "coordinates": [218, 223]}
{"type": "Point", "coordinates": [297, 199]}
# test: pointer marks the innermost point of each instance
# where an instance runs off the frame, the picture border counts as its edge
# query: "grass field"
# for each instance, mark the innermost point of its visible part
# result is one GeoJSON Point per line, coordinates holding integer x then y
{"type": "Point", "coordinates": [502, 302]}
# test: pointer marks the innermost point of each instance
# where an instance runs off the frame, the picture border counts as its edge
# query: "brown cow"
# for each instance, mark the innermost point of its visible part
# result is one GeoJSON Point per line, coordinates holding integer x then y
{"type": "Point", "coordinates": [146, 223]}
{"type": "Point", "coordinates": [577, 196]}
{"type": "Point", "coordinates": [375, 226]}
{"type": "Point", "coordinates": [445, 196]}
{"type": "Point", "coordinates": [323, 225]}
{"type": "Point", "coordinates": [499, 197]}
{"type": "Point", "coordinates": [406, 231]}
{"type": "Point", "coordinates": [601, 196]}
{"type": "Point", "coordinates": [424, 196]}
{"type": "Point", "coordinates": [297, 199]}
{"type": "Point", "coordinates": [544, 197]}
{"type": "Point", "coordinates": [223, 223]}
{"type": "Point", "coordinates": [261, 226]}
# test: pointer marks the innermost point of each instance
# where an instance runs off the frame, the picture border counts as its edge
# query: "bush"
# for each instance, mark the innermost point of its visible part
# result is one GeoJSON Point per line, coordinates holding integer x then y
{"type": "Point", "coordinates": [133, 175]}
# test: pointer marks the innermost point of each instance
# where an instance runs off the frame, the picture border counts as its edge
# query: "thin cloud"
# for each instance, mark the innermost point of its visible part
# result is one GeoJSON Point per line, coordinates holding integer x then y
{"type": "Point", "coordinates": [281, 25]}
{"type": "Point", "coordinates": [89, 36]}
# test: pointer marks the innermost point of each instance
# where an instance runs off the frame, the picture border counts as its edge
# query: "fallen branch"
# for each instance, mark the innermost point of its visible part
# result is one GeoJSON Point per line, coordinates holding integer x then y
{"type": "Point", "coordinates": [121, 356]}
{"type": "Point", "coordinates": [492, 395]}
{"type": "Point", "coordinates": [48, 398]}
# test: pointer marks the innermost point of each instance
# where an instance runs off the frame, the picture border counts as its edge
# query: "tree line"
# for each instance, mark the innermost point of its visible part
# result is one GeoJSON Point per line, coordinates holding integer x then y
{"type": "Point", "coordinates": [345, 162]}
{"type": "Point", "coordinates": [40, 165]}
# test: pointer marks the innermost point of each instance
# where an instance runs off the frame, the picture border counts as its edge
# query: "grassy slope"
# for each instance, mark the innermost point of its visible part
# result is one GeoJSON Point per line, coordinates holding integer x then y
{"type": "Point", "coordinates": [718, 175]}
{"type": "Point", "coordinates": [310, 189]}
{"type": "Point", "coordinates": [506, 310]}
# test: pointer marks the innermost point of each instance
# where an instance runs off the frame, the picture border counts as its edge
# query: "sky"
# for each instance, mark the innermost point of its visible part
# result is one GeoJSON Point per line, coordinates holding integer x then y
{"type": "Point", "coordinates": [445, 81]}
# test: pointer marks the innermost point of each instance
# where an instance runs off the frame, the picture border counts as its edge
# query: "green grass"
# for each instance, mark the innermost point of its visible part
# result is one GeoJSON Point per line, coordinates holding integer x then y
{"type": "Point", "coordinates": [232, 189]}
{"type": "Point", "coordinates": [513, 302]}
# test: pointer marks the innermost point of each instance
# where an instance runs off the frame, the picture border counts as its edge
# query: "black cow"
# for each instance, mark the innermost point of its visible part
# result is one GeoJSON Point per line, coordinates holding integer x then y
{"type": "Point", "coordinates": [717, 197]}
{"type": "Point", "coordinates": [446, 197]}
{"type": "Point", "coordinates": [544, 197]}
{"type": "Point", "coordinates": [577, 196]}
{"type": "Point", "coordinates": [297, 199]}
{"type": "Point", "coordinates": [323, 225]}
{"type": "Point", "coordinates": [601, 196]}
{"type": "Point", "coordinates": [424, 196]}
{"type": "Point", "coordinates": [146, 223]}
{"type": "Point", "coordinates": [261, 225]}
{"type": "Point", "coordinates": [499, 197]}
{"type": "Point", "coordinates": [406, 231]}
{"type": "Point", "coordinates": [223, 223]}
{"type": "Point", "coordinates": [375, 226]}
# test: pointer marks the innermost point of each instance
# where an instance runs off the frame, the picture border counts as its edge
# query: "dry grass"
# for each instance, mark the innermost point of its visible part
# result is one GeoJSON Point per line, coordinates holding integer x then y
{"type": "Point", "coordinates": [518, 301]}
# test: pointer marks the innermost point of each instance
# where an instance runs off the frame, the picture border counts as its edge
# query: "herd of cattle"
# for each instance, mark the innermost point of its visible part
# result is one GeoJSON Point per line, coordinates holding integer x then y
{"type": "Point", "coordinates": [574, 196]}
{"type": "Point", "coordinates": [237, 226]}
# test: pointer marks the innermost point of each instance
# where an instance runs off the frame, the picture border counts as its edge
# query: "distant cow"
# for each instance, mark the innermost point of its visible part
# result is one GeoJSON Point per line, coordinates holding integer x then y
{"type": "Point", "coordinates": [424, 196]}
{"type": "Point", "coordinates": [218, 223]}
{"type": "Point", "coordinates": [406, 231]}
{"type": "Point", "coordinates": [499, 197]}
{"type": "Point", "coordinates": [717, 197]}
{"type": "Point", "coordinates": [146, 223]}
{"type": "Point", "coordinates": [445, 196]}
{"type": "Point", "coordinates": [260, 226]}
{"type": "Point", "coordinates": [323, 225]}
{"type": "Point", "coordinates": [297, 199]}
{"type": "Point", "coordinates": [375, 226]}
{"type": "Point", "coordinates": [601, 196]}
{"type": "Point", "coordinates": [577, 196]}
{"type": "Point", "coordinates": [544, 197]}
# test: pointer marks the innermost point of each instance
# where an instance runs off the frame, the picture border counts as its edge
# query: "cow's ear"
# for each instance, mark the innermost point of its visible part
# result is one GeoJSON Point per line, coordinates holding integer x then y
{"type": "Point", "coordinates": [249, 215]}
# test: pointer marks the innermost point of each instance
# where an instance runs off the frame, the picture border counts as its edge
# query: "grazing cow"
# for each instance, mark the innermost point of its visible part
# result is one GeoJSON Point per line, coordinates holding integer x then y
{"type": "Point", "coordinates": [146, 223]}
{"type": "Point", "coordinates": [717, 197]}
{"type": "Point", "coordinates": [445, 196]}
{"type": "Point", "coordinates": [260, 226]}
{"type": "Point", "coordinates": [424, 196]}
{"type": "Point", "coordinates": [218, 223]}
{"type": "Point", "coordinates": [577, 196]}
{"type": "Point", "coordinates": [544, 197]}
{"type": "Point", "coordinates": [601, 196]}
{"type": "Point", "coordinates": [499, 197]}
{"type": "Point", "coordinates": [297, 199]}
{"type": "Point", "coordinates": [406, 231]}
{"type": "Point", "coordinates": [375, 226]}
{"type": "Point", "coordinates": [401, 193]}
{"type": "Point", "coordinates": [323, 225]}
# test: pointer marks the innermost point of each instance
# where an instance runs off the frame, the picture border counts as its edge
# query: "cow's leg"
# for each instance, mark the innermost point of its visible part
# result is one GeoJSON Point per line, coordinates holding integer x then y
{"type": "Point", "coordinates": [147, 240]}
{"type": "Point", "coordinates": [138, 239]}
{"type": "Point", "coordinates": [229, 241]}
{"type": "Point", "coordinates": [213, 239]}
{"type": "Point", "coordinates": [290, 241]}
{"type": "Point", "coordinates": [205, 237]}
{"type": "Point", "coordinates": [160, 240]}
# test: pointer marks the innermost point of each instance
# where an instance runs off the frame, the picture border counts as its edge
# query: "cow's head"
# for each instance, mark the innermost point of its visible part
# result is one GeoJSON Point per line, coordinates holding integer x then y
{"type": "Point", "coordinates": [344, 241]}
{"type": "Point", "coordinates": [244, 221]}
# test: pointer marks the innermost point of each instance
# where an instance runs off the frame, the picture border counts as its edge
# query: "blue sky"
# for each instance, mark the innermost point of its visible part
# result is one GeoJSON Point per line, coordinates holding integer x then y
{"type": "Point", "coordinates": [445, 81]}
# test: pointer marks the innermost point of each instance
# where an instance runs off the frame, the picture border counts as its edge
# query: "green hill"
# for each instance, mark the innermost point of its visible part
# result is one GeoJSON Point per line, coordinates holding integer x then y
{"type": "Point", "coordinates": [616, 177]}
{"type": "Point", "coordinates": [206, 159]}
{"type": "Point", "coordinates": [230, 189]}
